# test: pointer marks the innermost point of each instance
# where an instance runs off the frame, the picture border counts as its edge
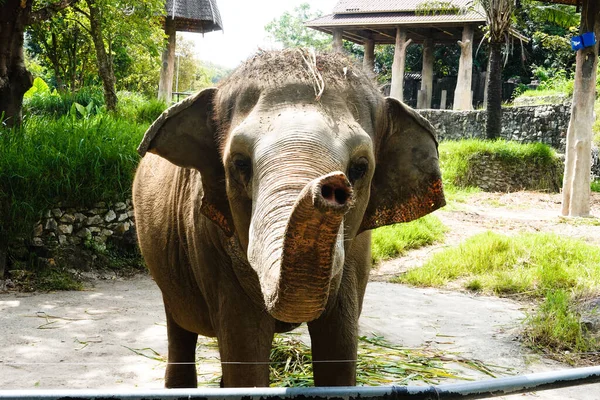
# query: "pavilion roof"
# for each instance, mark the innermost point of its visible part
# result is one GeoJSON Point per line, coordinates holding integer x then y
{"type": "Point", "coordinates": [374, 6]}
{"type": "Point", "coordinates": [195, 15]}
{"type": "Point", "coordinates": [378, 19]}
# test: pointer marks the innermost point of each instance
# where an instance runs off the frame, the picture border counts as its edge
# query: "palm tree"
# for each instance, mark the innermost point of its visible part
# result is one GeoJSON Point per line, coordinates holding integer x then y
{"type": "Point", "coordinates": [498, 14]}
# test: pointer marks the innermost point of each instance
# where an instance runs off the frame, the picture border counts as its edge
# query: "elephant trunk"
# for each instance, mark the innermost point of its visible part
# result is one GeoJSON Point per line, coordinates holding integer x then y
{"type": "Point", "coordinates": [295, 247]}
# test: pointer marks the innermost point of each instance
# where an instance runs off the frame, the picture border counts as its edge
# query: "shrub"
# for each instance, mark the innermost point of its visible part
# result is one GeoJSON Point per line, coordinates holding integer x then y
{"type": "Point", "coordinates": [54, 104]}
{"type": "Point", "coordinates": [135, 107]}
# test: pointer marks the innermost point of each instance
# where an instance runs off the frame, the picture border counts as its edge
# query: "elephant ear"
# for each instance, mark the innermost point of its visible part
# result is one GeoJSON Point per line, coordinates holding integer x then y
{"type": "Point", "coordinates": [407, 181]}
{"type": "Point", "coordinates": [185, 135]}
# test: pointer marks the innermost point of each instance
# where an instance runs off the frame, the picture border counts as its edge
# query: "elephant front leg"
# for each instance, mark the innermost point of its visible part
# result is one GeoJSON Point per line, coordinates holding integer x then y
{"type": "Point", "coordinates": [334, 339]}
{"type": "Point", "coordinates": [181, 367]}
{"type": "Point", "coordinates": [245, 341]}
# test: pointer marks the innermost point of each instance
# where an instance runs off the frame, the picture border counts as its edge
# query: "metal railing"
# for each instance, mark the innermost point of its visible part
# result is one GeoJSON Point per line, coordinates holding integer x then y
{"type": "Point", "coordinates": [471, 390]}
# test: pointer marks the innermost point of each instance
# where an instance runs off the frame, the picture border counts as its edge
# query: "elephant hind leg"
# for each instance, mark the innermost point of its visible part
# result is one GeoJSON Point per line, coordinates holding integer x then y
{"type": "Point", "coordinates": [181, 367]}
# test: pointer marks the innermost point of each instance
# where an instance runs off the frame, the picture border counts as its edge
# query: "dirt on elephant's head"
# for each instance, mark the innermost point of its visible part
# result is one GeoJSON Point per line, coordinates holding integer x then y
{"type": "Point", "coordinates": [293, 72]}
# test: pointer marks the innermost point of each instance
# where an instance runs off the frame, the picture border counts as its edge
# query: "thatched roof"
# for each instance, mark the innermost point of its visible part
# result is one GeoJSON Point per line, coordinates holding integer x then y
{"type": "Point", "coordinates": [195, 15]}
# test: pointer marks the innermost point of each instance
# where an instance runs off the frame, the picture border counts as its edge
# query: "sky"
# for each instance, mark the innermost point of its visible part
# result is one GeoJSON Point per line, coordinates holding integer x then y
{"type": "Point", "coordinates": [244, 28]}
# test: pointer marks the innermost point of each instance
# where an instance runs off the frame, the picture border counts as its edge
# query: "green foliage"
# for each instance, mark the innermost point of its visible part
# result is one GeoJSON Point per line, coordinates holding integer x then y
{"type": "Point", "coordinates": [394, 240]}
{"type": "Point", "coordinates": [65, 159]}
{"type": "Point", "coordinates": [526, 264]}
{"type": "Point", "coordinates": [456, 156]}
{"type": "Point", "coordinates": [136, 108]}
{"type": "Point", "coordinates": [290, 31]}
{"type": "Point", "coordinates": [54, 105]}
{"type": "Point", "coordinates": [39, 87]}
{"type": "Point", "coordinates": [437, 7]}
{"type": "Point", "coordinates": [194, 74]}
{"type": "Point", "coordinates": [556, 326]}
{"type": "Point", "coordinates": [595, 186]}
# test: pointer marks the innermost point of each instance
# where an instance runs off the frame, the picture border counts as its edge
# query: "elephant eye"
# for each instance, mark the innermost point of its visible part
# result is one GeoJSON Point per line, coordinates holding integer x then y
{"type": "Point", "coordinates": [358, 169]}
{"type": "Point", "coordinates": [243, 166]}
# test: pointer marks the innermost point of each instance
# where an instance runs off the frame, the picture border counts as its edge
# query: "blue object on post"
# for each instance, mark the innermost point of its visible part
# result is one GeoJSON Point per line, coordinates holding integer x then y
{"type": "Point", "coordinates": [588, 39]}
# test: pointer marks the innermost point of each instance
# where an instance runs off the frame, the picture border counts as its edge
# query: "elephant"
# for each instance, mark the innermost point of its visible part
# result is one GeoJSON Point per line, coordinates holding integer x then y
{"type": "Point", "coordinates": [254, 203]}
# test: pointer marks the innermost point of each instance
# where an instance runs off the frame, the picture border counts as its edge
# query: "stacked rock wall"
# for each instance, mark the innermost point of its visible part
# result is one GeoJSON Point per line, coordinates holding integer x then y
{"type": "Point", "coordinates": [68, 225]}
{"type": "Point", "coordinates": [491, 174]}
{"type": "Point", "coordinates": [528, 124]}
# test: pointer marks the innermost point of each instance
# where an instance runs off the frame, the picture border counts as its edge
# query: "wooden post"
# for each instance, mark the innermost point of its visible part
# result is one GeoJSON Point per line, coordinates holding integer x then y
{"type": "Point", "coordinates": [338, 45]}
{"type": "Point", "coordinates": [369, 58]}
{"type": "Point", "coordinates": [165, 86]}
{"type": "Point", "coordinates": [427, 73]}
{"type": "Point", "coordinates": [576, 181]}
{"type": "Point", "coordinates": [463, 99]}
{"type": "Point", "coordinates": [443, 99]}
{"type": "Point", "coordinates": [402, 43]}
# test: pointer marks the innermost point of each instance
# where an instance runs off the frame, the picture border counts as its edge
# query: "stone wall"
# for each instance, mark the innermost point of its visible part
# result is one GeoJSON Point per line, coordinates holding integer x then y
{"type": "Point", "coordinates": [528, 124]}
{"type": "Point", "coordinates": [68, 225]}
{"type": "Point", "coordinates": [492, 174]}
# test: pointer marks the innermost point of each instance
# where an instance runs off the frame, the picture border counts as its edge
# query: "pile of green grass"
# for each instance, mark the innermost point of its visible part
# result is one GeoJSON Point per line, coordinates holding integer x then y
{"type": "Point", "coordinates": [543, 267]}
{"type": "Point", "coordinates": [379, 363]}
{"type": "Point", "coordinates": [69, 159]}
{"type": "Point", "coordinates": [456, 158]}
{"type": "Point", "coordinates": [394, 240]}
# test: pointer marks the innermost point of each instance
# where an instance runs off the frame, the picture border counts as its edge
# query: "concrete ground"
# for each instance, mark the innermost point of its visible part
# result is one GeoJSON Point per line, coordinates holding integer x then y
{"type": "Point", "coordinates": [113, 336]}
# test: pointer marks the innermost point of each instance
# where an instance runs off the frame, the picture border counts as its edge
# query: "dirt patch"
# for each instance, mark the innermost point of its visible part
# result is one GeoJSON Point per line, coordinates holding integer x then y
{"type": "Point", "coordinates": [114, 336]}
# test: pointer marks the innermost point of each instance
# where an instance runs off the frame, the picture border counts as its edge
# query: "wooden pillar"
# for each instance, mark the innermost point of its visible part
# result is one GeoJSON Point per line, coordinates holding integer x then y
{"type": "Point", "coordinates": [463, 98]}
{"type": "Point", "coordinates": [576, 181]}
{"type": "Point", "coordinates": [165, 86]}
{"type": "Point", "coordinates": [338, 46]}
{"type": "Point", "coordinates": [402, 43]}
{"type": "Point", "coordinates": [427, 74]}
{"type": "Point", "coordinates": [369, 58]}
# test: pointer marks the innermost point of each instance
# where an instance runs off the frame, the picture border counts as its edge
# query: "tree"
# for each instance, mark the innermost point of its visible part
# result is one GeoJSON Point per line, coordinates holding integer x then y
{"type": "Point", "coordinates": [290, 31]}
{"type": "Point", "coordinates": [111, 23]}
{"type": "Point", "coordinates": [15, 80]}
{"type": "Point", "coordinates": [63, 47]}
{"type": "Point", "coordinates": [498, 14]}
{"type": "Point", "coordinates": [576, 183]}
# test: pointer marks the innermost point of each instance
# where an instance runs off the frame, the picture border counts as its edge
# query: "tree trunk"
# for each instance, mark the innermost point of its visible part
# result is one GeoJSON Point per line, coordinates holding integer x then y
{"type": "Point", "coordinates": [494, 99]}
{"type": "Point", "coordinates": [338, 42]}
{"type": "Point", "coordinates": [165, 86]}
{"type": "Point", "coordinates": [427, 73]}
{"type": "Point", "coordinates": [15, 80]}
{"type": "Point", "coordinates": [576, 181]}
{"type": "Point", "coordinates": [104, 65]}
{"type": "Point", "coordinates": [369, 58]}
{"type": "Point", "coordinates": [397, 87]}
{"type": "Point", "coordinates": [463, 99]}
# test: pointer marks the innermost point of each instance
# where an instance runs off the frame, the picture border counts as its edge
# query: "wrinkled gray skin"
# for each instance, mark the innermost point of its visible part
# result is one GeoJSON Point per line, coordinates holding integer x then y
{"type": "Point", "coordinates": [254, 209]}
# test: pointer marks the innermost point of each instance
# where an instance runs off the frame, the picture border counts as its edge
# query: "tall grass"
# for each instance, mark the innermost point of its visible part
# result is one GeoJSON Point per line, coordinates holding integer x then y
{"type": "Point", "coordinates": [131, 106]}
{"type": "Point", "coordinates": [73, 160]}
{"type": "Point", "coordinates": [55, 105]}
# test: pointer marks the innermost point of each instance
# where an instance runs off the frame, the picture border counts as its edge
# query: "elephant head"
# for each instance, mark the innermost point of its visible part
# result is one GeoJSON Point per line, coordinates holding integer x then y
{"type": "Point", "coordinates": [298, 154]}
